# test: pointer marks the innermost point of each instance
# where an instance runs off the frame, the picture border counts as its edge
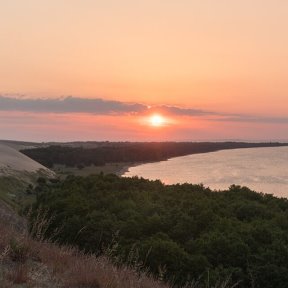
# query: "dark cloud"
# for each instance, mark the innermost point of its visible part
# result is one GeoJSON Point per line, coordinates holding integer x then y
{"type": "Point", "coordinates": [69, 105]}
{"type": "Point", "coordinates": [94, 106]}
{"type": "Point", "coordinates": [108, 107]}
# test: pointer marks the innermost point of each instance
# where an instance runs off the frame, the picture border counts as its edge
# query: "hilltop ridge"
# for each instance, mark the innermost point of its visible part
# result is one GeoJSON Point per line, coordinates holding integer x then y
{"type": "Point", "coordinates": [12, 161]}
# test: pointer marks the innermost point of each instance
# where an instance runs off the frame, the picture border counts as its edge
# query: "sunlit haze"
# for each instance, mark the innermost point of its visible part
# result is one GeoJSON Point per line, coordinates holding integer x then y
{"type": "Point", "coordinates": [201, 70]}
{"type": "Point", "coordinates": [157, 120]}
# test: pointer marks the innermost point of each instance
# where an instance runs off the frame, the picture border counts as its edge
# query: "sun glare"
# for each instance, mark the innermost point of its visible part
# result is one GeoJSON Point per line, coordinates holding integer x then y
{"type": "Point", "coordinates": [157, 120]}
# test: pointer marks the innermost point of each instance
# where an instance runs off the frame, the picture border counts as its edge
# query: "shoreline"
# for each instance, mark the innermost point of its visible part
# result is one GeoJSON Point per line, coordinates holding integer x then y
{"type": "Point", "coordinates": [125, 168]}
{"type": "Point", "coordinates": [119, 169]}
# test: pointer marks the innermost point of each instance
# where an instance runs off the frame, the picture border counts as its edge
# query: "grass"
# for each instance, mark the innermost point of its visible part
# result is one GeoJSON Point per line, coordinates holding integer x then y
{"type": "Point", "coordinates": [35, 262]}
{"type": "Point", "coordinates": [10, 188]}
{"type": "Point", "coordinates": [24, 260]}
{"type": "Point", "coordinates": [13, 188]}
{"type": "Point", "coordinates": [115, 168]}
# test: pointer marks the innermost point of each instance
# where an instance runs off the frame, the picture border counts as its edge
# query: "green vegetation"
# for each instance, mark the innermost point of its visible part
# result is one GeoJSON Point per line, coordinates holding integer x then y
{"type": "Point", "coordinates": [178, 232]}
{"type": "Point", "coordinates": [10, 189]}
{"type": "Point", "coordinates": [16, 190]}
{"type": "Point", "coordinates": [129, 152]}
{"type": "Point", "coordinates": [29, 262]}
{"type": "Point", "coordinates": [109, 168]}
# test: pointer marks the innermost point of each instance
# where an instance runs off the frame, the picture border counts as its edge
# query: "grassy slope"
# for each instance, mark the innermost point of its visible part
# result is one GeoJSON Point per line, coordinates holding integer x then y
{"type": "Point", "coordinates": [10, 187]}
{"type": "Point", "coordinates": [27, 262]}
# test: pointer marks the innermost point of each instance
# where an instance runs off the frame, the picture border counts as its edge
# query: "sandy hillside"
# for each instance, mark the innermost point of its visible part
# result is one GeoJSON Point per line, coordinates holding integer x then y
{"type": "Point", "coordinates": [12, 161]}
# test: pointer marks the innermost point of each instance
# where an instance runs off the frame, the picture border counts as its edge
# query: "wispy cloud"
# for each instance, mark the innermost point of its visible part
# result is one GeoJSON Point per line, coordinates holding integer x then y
{"type": "Point", "coordinates": [98, 106]}
{"type": "Point", "coordinates": [93, 106]}
{"type": "Point", "coordinates": [69, 105]}
{"type": "Point", "coordinates": [253, 119]}
{"type": "Point", "coordinates": [184, 111]}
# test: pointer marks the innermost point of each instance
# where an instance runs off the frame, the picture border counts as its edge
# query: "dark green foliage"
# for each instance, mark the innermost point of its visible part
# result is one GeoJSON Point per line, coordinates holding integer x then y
{"type": "Point", "coordinates": [180, 232]}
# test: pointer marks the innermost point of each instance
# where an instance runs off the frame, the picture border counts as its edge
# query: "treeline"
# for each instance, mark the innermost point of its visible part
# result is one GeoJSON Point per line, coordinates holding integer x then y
{"type": "Point", "coordinates": [178, 232]}
{"type": "Point", "coordinates": [129, 152]}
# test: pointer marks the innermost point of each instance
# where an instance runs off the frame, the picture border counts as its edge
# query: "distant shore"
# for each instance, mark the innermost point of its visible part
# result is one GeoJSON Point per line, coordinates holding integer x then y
{"type": "Point", "coordinates": [120, 168]}
{"type": "Point", "coordinates": [118, 157]}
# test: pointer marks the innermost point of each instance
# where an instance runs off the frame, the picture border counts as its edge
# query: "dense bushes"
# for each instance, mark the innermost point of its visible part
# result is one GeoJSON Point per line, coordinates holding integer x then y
{"type": "Point", "coordinates": [181, 232]}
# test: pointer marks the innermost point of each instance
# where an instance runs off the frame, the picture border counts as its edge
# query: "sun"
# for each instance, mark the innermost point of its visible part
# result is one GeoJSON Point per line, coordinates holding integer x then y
{"type": "Point", "coordinates": [157, 120]}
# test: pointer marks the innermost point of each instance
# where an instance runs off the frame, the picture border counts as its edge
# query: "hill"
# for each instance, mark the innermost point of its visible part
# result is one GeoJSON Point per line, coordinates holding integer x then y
{"type": "Point", "coordinates": [27, 261]}
{"type": "Point", "coordinates": [17, 171]}
{"type": "Point", "coordinates": [12, 161]}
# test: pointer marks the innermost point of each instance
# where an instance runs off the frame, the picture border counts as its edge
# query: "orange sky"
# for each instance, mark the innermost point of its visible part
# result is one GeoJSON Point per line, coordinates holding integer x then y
{"type": "Point", "coordinates": [223, 56]}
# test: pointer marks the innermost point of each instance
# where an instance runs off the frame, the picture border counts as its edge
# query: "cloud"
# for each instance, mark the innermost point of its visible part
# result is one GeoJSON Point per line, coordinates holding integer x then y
{"type": "Point", "coordinates": [253, 119]}
{"type": "Point", "coordinates": [98, 106]}
{"type": "Point", "coordinates": [69, 105]}
{"type": "Point", "coordinates": [184, 111]}
{"type": "Point", "coordinates": [93, 106]}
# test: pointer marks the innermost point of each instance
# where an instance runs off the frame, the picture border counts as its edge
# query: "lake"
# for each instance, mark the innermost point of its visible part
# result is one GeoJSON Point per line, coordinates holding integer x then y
{"type": "Point", "coordinates": [260, 169]}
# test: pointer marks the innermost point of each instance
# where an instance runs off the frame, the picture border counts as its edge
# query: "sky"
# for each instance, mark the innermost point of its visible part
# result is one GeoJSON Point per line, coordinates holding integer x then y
{"type": "Point", "coordinates": [99, 70]}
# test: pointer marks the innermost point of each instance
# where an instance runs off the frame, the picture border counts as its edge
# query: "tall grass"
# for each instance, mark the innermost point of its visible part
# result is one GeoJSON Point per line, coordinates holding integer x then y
{"type": "Point", "coordinates": [41, 263]}
{"type": "Point", "coordinates": [24, 259]}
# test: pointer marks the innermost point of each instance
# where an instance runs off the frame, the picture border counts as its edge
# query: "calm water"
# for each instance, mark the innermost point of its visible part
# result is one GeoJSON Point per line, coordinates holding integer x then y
{"type": "Point", "coordinates": [261, 169]}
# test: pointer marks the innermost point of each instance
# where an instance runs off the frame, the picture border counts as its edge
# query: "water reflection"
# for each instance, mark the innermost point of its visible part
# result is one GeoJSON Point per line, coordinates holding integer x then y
{"type": "Point", "coordinates": [261, 169]}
